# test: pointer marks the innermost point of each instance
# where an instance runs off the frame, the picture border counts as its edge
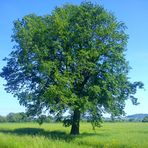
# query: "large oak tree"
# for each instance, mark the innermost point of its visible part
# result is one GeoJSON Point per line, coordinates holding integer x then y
{"type": "Point", "coordinates": [71, 60]}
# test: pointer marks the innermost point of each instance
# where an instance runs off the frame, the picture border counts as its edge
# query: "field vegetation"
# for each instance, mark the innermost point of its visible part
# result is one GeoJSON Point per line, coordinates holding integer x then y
{"type": "Point", "coordinates": [54, 135]}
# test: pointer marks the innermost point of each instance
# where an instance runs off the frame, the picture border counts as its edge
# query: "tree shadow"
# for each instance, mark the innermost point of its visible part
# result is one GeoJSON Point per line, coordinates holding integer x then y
{"type": "Point", "coordinates": [54, 135]}
{"type": "Point", "coordinates": [57, 135]}
{"type": "Point", "coordinates": [39, 132]}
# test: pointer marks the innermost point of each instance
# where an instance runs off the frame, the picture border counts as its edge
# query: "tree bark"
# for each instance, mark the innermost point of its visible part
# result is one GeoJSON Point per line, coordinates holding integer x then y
{"type": "Point", "coordinates": [75, 122]}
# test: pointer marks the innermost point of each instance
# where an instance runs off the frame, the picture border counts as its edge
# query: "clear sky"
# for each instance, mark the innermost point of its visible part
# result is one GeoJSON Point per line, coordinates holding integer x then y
{"type": "Point", "coordinates": [134, 13]}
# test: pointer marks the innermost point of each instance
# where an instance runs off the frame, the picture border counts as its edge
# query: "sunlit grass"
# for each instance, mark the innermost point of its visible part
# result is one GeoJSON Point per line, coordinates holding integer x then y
{"type": "Point", "coordinates": [54, 135]}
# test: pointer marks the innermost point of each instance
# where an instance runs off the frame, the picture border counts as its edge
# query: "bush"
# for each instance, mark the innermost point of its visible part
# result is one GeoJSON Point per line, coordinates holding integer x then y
{"type": "Point", "coordinates": [3, 119]}
{"type": "Point", "coordinates": [145, 119]}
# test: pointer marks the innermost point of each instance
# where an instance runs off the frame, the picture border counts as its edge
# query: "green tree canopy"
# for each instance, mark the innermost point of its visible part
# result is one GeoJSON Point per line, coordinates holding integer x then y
{"type": "Point", "coordinates": [3, 119]}
{"type": "Point", "coordinates": [145, 119]}
{"type": "Point", "coordinates": [71, 60]}
{"type": "Point", "coordinates": [16, 117]}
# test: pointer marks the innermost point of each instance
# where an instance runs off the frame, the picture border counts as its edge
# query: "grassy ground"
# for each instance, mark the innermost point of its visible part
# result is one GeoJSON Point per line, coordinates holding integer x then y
{"type": "Point", "coordinates": [111, 135]}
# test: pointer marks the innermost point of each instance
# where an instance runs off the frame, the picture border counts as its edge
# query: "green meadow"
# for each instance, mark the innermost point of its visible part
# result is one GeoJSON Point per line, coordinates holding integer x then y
{"type": "Point", "coordinates": [54, 135]}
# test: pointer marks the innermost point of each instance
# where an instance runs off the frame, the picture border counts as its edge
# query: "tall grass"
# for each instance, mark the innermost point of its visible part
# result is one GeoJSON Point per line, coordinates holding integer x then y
{"type": "Point", "coordinates": [54, 135]}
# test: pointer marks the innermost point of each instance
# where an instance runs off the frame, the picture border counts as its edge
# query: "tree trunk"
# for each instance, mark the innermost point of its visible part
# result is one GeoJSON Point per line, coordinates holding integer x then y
{"type": "Point", "coordinates": [75, 123]}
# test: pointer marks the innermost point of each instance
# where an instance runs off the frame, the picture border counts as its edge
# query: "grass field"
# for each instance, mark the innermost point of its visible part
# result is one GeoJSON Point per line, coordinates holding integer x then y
{"type": "Point", "coordinates": [111, 135]}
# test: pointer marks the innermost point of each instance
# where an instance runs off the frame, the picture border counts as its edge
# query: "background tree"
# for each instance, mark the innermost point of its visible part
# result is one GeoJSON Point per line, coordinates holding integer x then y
{"type": "Point", "coordinates": [3, 119]}
{"type": "Point", "coordinates": [145, 119]}
{"type": "Point", "coordinates": [71, 60]}
{"type": "Point", "coordinates": [16, 117]}
{"type": "Point", "coordinates": [12, 117]}
{"type": "Point", "coordinates": [41, 119]}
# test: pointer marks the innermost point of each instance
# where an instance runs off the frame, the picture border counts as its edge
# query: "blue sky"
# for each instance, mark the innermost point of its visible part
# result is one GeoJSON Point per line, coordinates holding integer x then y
{"type": "Point", "coordinates": [133, 13]}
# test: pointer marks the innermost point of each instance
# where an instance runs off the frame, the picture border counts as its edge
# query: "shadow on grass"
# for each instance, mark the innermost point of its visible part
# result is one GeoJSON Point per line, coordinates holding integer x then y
{"type": "Point", "coordinates": [55, 135]}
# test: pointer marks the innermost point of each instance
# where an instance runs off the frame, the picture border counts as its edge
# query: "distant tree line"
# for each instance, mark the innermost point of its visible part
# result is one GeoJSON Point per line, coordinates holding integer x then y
{"type": "Point", "coordinates": [23, 117]}
{"type": "Point", "coordinates": [126, 119]}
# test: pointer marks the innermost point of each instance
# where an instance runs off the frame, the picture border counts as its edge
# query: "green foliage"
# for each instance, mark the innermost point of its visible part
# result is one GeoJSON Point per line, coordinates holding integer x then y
{"type": "Point", "coordinates": [67, 122]}
{"type": "Point", "coordinates": [16, 117]}
{"type": "Point", "coordinates": [3, 119]}
{"type": "Point", "coordinates": [41, 119]}
{"type": "Point", "coordinates": [145, 119]}
{"type": "Point", "coordinates": [23, 117]}
{"type": "Point", "coordinates": [72, 59]}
